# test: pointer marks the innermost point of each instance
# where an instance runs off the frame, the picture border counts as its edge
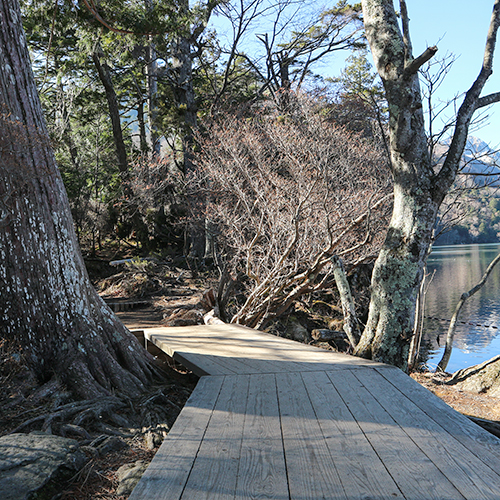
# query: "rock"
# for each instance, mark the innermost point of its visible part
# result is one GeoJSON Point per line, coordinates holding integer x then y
{"type": "Point", "coordinates": [128, 476]}
{"type": "Point", "coordinates": [29, 462]}
{"type": "Point", "coordinates": [90, 451]}
{"type": "Point", "coordinates": [336, 339]}
{"type": "Point", "coordinates": [296, 331]}
{"type": "Point", "coordinates": [154, 436]}
{"type": "Point", "coordinates": [211, 319]}
{"type": "Point", "coordinates": [110, 444]}
{"type": "Point", "coordinates": [484, 377]}
{"type": "Point", "coordinates": [324, 335]}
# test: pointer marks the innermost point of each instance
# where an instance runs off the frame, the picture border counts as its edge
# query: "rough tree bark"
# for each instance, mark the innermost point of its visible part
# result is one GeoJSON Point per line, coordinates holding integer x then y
{"type": "Point", "coordinates": [152, 93]}
{"type": "Point", "coordinates": [351, 324]}
{"type": "Point", "coordinates": [418, 188]}
{"type": "Point", "coordinates": [114, 113]}
{"type": "Point", "coordinates": [47, 303]}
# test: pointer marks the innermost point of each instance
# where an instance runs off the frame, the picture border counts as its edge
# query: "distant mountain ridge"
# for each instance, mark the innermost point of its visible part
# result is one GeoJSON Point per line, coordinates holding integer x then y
{"type": "Point", "coordinates": [472, 215]}
{"type": "Point", "coordinates": [479, 159]}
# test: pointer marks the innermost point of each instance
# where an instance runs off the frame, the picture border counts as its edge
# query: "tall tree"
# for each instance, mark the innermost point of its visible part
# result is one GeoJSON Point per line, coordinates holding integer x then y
{"type": "Point", "coordinates": [419, 185]}
{"type": "Point", "coordinates": [47, 302]}
{"type": "Point", "coordinates": [289, 62]}
{"type": "Point", "coordinates": [361, 100]}
{"type": "Point", "coordinates": [295, 39]}
{"type": "Point", "coordinates": [104, 73]}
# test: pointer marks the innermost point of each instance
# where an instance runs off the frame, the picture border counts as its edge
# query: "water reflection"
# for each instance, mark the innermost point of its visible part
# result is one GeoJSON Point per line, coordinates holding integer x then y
{"type": "Point", "coordinates": [457, 270]}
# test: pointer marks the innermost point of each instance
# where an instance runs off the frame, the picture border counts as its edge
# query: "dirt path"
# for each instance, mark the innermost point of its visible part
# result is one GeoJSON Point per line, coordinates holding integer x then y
{"type": "Point", "coordinates": [468, 403]}
{"type": "Point", "coordinates": [144, 317]}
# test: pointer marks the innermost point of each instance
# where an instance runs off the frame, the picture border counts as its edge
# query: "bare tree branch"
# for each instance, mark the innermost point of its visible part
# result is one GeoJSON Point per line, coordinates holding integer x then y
{"type": "Point", "coordinates": [468, 107]}
{"type": "Point", "coordinates": [414, 65]}
{"type": "Point", "coordinates": [487, 100]}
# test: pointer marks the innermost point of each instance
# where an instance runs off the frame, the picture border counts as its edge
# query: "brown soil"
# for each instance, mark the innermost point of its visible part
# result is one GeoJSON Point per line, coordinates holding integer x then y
{"type": "Point", "coordinates": [166, 296]}
{"type": "Point", "coordinates": [469, 403]}
{"type": "Point", "coordinates": [176, 299]}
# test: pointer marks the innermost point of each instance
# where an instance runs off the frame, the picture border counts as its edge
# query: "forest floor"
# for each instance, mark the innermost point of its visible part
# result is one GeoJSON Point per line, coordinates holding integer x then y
{"type": "Point", "coordinates": [168, 296]}
{"type": "Point", "coordinates": [481, 405]}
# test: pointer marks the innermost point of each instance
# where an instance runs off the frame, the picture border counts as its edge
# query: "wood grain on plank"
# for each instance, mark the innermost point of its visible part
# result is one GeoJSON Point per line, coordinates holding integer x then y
{"type": "Point", "coordinates": [262, 471]}
{"type": "Point", "coordinates": [471, 477]}
{"type": "Point", "coordinates": [415, 474]}
{"type": "Point", "coordinates": [215, 469]}
{"type": "Point", "coordinates": [484, 445]}
{"type": "Point", "coordinates": [167, 474]}
{"type": "Point", "coordinates": [236, 349]}
{"type": "Point", "coordinates": [361, 471]}
{"type": "Point", "coordinates": [311, 470]}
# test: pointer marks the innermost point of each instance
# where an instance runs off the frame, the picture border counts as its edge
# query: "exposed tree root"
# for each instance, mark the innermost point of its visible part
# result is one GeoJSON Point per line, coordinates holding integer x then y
{"type": "Point", "coordinates": [151, 416]}
{"type": "Point", "coordinates": [76, 413]}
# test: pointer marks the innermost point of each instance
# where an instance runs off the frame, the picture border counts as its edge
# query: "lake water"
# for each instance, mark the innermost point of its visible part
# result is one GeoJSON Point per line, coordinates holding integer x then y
{"type": "Point", "coordinates": [457, 270]}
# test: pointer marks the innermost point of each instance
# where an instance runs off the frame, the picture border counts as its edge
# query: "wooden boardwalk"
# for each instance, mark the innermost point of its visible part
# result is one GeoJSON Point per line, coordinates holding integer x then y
{"type": "Point", "coordinates": [274, 419]}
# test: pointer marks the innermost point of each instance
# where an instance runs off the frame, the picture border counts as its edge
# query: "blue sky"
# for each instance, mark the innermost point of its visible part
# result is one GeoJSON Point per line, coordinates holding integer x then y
{"type": "Point", "coordinates": [455, 26]}
{"type": "Point", "coordinates": [458, 27]}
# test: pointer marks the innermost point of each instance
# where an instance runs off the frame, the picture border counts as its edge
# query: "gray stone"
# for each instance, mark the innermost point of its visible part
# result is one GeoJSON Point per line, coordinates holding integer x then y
{"type": "Point", "coordinates": [128, 476]}
{"type": "Point", "coordinates": [29, 461]}
{"type": "Point", "coordinates": [296, 331]}
{"type": "Point", "coordinates": [110, 444]}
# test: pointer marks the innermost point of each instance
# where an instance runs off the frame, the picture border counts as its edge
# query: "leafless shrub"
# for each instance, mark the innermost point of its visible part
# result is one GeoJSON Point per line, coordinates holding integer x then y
{"type": "Point", "coordinates": [286, 194]}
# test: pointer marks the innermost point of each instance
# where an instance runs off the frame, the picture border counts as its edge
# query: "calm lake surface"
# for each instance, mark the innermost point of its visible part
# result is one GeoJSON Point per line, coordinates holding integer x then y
{"type": "Point", "coordinates": [457, 269]}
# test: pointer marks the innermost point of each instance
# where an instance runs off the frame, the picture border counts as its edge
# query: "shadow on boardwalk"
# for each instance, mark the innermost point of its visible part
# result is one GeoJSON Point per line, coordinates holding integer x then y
{"type": "Point", "coordinates": [274, 419]}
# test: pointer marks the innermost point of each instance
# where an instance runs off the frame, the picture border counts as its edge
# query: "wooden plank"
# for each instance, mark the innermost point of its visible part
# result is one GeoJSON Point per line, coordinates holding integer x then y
{"type": "Point", "coordinates": [199, 363]}
{"type": "Point", "coordinates": [311, 471]}
{"type": "Point", "coordinates": [224, 349]}
{"type": "Point", "coordinates": [207, 354]}
{"type": "Point", "coordinates": [362, 473]}
{"type": "Point", "coordinates": [415, 474]}
{"type": "Point", "coordinates": [235, 349]}
{"type": "Point", "coordinates": [217, 338]}
{"type": "Point", "coordinates": [209, 363]}
{"type": "Point", "coordinates": [168, 473]}
{"type": "Point", "coordinates": [335, 439]}
{"type": "Point", "coordinates": [262, 470]}
{"type": "Point", "coordinates": [215, 469]}
{"type": "Point", "coordinates": [484, 445]}
{"type": "Point", "coordinates": [469, 475]}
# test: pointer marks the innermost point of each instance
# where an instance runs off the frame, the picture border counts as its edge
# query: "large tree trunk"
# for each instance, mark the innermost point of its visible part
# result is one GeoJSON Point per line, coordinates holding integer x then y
{"type": "Point", "coordinates": [152, 93]}
{"type": "Point", "coordinates": [399, 268]}
{"type": "Point", "coordinates": [418, 189]}
{"type": "Point", "coordinates": [396, 279]}
{"type": "Point", "coordinates": [47, 303]}
{"type": "Point", "coordinates": [183, 88]}
{"type": "Point", "coordinates": [114, 112]}
{"type": "Point", "coordinates": [186, 105]}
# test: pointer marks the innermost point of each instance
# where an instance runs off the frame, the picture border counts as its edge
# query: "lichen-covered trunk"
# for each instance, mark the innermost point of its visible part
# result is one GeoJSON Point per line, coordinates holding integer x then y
{"type": "Point", "coordinates": [419, 186]}
{"type": "Point", "coordinates": [396, 278]}
{"type": "Point", "coordinates": [399, 267]}
{"type": "Point", "coordinates": [47, 303]}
